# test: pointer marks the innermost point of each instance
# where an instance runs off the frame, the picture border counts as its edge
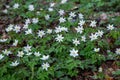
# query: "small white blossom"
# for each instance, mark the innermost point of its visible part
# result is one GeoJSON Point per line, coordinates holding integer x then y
{"type": "Point", "coordinates": [41, 33]}
{"type": "Point", "coordinates": [27, 21]}
{"type": "Point", "coordinates": [79, 29]}
{"type": "Point", "coordinates": [5, 11]}
{"type": "Point", "coordinates": [74, 53]}
{"type": "Point", "coordinates": [25, 26]}
{"type": "Point", "coordinates": [52, 4]}
{"type": "Point", "coordinates": [80, 16]}
{"type": "Point", "coordinates": [93, 36]}
{"type": "Point", "coordinates": [9, 28]}
{"type": "Point", "coordinates": [15, 43]}
{"type": "Point", "coordinates": [38, 12]}
{"type": "Point", "coordinates": [31, 7]}
{"type": "Point", "coordinates": [59, 38]}
{"type": "Point", "coordinates": [16, 63]}
{"type": "Point", "coordinates": [16, 5]}
{"type": "Point", "coordinates": [96, 49]}
{"type": "Point", "coordinates": [64, 29]}
{"type": "Point", "coordinates": [3, 40]}
{"type": "Point", "coordinates": [37, 54]}
{"type": "Point", "coordinates": [35, 20]}
{"type": "Point", "coordinates": [1, 56]}
{"type": "Point", "coordinates": [49, 31]}
{"type": "Point", "coordinates": [76, 42]}
{"type": "Point", "coordinates": [117, 51]}
{"type": "Point", "coordinates": [6, 52]}
{"type": "Point", "coordinates": [62, 20]}
{"type": "Point", "coordinates": [45, 57]}
{"type": "Point", "coordinates": [27, 48]}
{"type": "Point", "coordinates": [20, 54]}
{"type": "Point", "coordinates": [50, 9]}
{"type": "Point", "coordinates": [70, 19]}
{"type": "Point", "coordinates": [29, 53]}
{"type": "Point", "coordinates": [99, 33]}
{"type": "Point", "coordinates": [47, 17]}
{"type": "Point", "coordinates": [29, 31]}
{"type": "Point", "coordinates": [93, 23]}
{"type": "Point", "coordinates": [100, 69]}
{"type": "Point", "coordinates": [58, 29]}
{"type": "Point", "coordinates": [45, 66]}
{"type": "Point", "coordinates": [83, 38]}
{"type": "Point", "coordinates": [7, 6]}
{"type": "Point", "coordinates": [81, 23]}
{"type": "Point", "coordinates": [17, 28]}
{"type": "Point", "coordinates": [61, 12]}
{"type": "Point", "coordinates": [110, 27]}
{"type": "Point", "coordinates": [63, 1]}
{"type": "Point", "coordinates": [72, 14]}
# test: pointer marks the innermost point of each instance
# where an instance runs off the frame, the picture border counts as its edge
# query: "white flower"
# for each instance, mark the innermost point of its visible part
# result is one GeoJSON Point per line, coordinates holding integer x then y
{"type": "Point", "coordinates": [38, 12]}
{"type": "Point", "coordinates": [70, 19]}
{"type": "Point", "coordinates": [25, 26]}
{"type": "Point", "coordinates": [3, 40]}
{"type": "Point", "coordinates": [110, 27]}
{"type": "Point", "coordinates": [93, 23]}
{"type": "Point", "coordinates": [17, 29]}
{"type": "Point", "coordinates": [61, 12]}
{"type": "Point", "coordinates": [20, 54]}
{"type": "Point", "coordinates": [50, 9]}
{"type": "Point", "coordinates": [14, 63]}
{"type": "Point", "coordinates": [62, 20]}
{"type": "Point", "coordinates": [7, 6]}
{"type": "Point", "coordinates": [72, 14]}
{"type": "Point", "coordinates": [81, 23]}
{"type": "Point", "coordinates": [6, 52]}
{"type": "Point", "coordinates": [47, 17]}
{"type": "Point", "coordinates": [79, 29]}
{"type": "Point", "coordinates": [100, 69]}
{"type": "Point", "coordinates": [80, 16]}
{"type": "Point", "coordinates": [41, 33]}
{"type": "Point", "coordinates": [83, 38]}
{"type": "Point", "coordinates": [1, 56]}
{"type": "Point", "coordinates": [49, 31]}
{"type": "Point", "coordinates": [96, 49]}
{"type": "Point", "coordinates": [15, 43]}
{"type": "Point", "coordinates": [9, 28]}
{"type": "Point", "coordinates": [44, 57]}
{"type": "Point", "coordinates": [99, 33]}
{"type": "Point", "coordinates": [117, 51]}
{"type": "Point", "coordinates": [16, 5]}
{"type": "Point", "coordinates": [45, 66]}
{"type": "Point", "coordinates": [27, 48]}
{"type": "Point", "coordinates": [27, 21]}
{"type": "Point", "coordinates": [73, 52]}
{"type": "Point", "coordinates": [5, 11]}
{"type": "Point", "coordinates": [59, 38]}
{"type": "Point", "coordinates": [64, 29]}
{"type": "Point", "coordinates": [52, 4]}
{"type": "Point", "coordinates": [76, 42]}
{"type": "Point", "coordinates": [93, 37]}
{"type": "Point", "coordinates": [29, 31]}
{"type": "Point", "coordinates": [63, 1]}
{"type": "Point", "coordinates": [35, 20]}
{"type": "Point", "coordinates": [37, 54]}
{"type": "Point", "coordinates": [60, 29]}
{"type": "Point", "coordinates": [31, 7]}
{"type": "Point", "coordinates": [29, 53]}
